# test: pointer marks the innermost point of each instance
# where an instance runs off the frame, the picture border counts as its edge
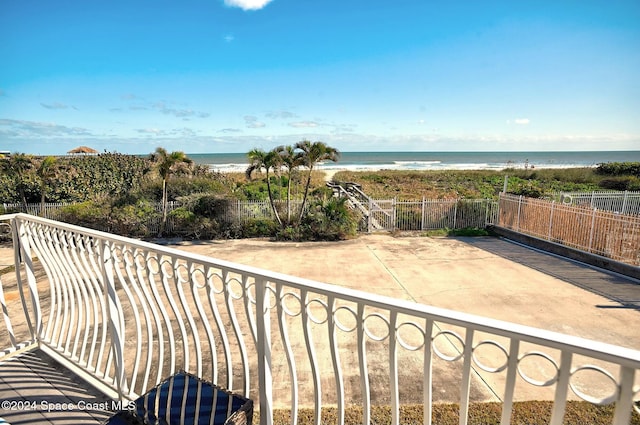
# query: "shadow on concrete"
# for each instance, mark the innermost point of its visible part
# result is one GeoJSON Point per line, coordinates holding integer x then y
{"type": "Point", "coordinates": [621, 289]}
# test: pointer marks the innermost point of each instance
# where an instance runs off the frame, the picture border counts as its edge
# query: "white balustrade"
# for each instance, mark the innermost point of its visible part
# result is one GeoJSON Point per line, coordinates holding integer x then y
{"type": "Point", "coordinates": [126, 314]}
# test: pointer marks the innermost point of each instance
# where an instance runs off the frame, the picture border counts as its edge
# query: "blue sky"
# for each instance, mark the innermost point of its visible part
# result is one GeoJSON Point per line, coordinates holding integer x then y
{"type": "Point", "coordinates": [228, 75]}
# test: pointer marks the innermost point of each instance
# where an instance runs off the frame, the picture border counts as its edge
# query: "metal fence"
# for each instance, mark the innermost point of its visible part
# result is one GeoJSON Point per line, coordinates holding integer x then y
{"type": "Point", "coordinates": [605, 233]}
{"type": "Point", "coordinates": [55, 211]}
{"type": "Point", "coordinates": [626, 202]}
{"type": "Point", "coordinates": [49, 210]}
{"type": "Point", "coordinates": [431, 214]}
{"type": "Point", "coordinates": [376, 215]}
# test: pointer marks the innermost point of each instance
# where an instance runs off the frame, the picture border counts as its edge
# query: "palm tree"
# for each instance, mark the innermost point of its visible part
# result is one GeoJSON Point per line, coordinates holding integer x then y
{"type": "Point", "coordinates": [17, 166]}
{"type": "Point", "coordinates": [290, 161]}
{"type": "Point", "coordinates": [259, 159]}
{"type": "Point", "coordinates": [311, 154]}
{"type": "Point", "coordinates": [47, 170]}
{"type": "Point", "coordinates": [168, 164]}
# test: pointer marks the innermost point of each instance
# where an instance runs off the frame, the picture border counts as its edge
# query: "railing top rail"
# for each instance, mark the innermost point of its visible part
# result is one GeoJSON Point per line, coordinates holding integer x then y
{"type": "Point", "coordinates": [603, 351]}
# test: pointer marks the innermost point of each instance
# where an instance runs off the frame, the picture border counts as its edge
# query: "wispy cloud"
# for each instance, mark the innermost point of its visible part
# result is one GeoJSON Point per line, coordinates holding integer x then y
{"type": "Point", "coordinates": [180, 113]}
{"type": "Point", "coordinates": [280, 115]}
{"type": "Point", "coordinates": [343, 128]}
{"type": "Point", "coordinates": [521, 121]}
{"type": "Point", "coordinates": [56, 105]}
{"type": "Point", "coordinates": [170, 133]}
{"type": "Point", "coordinates": [230, 130]}
{"type": "Point", "coordinates": [229, 38]}
{"type": "Point", "coordinates": [162, 107]}
{"type": "Point", "coordinates": [247, 4]}
{"type": "Point", "coordinates": [303, 124]}
{"type": "Point", "coordinates": [152, 131]}
{"type": "Point", "coordinates": [185, 132]}
{"type": "Point", "coordinates": [22, 128]}
{"type": "Point", "coordinates": [252, 122]}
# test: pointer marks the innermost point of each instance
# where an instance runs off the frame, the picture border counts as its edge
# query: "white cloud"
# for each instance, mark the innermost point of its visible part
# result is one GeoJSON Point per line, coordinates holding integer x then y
{"type": "Point", "coordinates": [280, 114]}
{"type": "Point", "coordinates": [54, 105]}
{"type": "Point", "coordinates": [247, 4]}
{"type": "Point", "coordinates": [34, 129]}
{"type": "Point", "coordinates": [229, 38]}
{"type": "Point", "coordinates": [163, 108]}
{"type": "Point", "coordinates": [154, 131]}
{"type": "Point", "coordinates": [522, 121]}
{"type": "Point", "coordinates": [252, 122]}
{"type": "Point", "coordinates": [303, 124]}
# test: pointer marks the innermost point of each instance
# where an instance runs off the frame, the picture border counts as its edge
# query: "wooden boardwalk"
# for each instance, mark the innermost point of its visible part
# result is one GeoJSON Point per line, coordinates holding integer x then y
{"type": "Point", "coordinates": [35, 389]}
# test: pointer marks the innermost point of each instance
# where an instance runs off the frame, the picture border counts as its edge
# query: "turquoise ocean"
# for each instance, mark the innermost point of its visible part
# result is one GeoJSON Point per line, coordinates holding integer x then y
{"type": "Point", "coordinates": [371, 161]}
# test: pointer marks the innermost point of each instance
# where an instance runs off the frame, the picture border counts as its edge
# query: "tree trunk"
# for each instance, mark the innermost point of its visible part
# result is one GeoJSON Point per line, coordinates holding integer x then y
{"type": "Point", "coordinates": [163, 223]}
{"type": "Point", "coordinates": [273, 205]}
{"type": "Point", "coordinates": [304, 198]}
{"type": "Point", "coordinates": [289, 200]}
{"type": "Point", "coordinates": [42, 200]}
{"type": "Point", "coordinates": [23, 198]}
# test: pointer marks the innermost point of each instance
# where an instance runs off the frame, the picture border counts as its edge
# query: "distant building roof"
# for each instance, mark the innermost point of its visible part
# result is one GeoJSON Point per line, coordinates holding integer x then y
{"type": "Point", "coordinates": [83, 150]}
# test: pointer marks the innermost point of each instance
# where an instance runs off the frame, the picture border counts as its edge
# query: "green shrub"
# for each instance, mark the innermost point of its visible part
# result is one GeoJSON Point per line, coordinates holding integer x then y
{"type": "Point", "coordinates": [291, 233]}
{"type": "Point", "coordinates": [189, 225]}
{"type": "Point", "coordinates": [212, 206]}
{"type": "Point", "coordinates": [91, 214]}
{"type": "Point", "coordinates": [256, 190]}
{"type": "Point", "coordinates": [183, 186]}
{"type": "Point", "coordinates": [528, 190]}
{"type": "Point", "coordinates": [259, 227]}
{"type": "Point", "coordinates": [468, 231]}
{"type": "Point", "coordinates": [330, 219]}
{"type": "Point", "coordinates": [621, 183]}
{"type": "Point", "coordinates": [132, 219]}
{"type": "Point", "coordinates": [619, 169]}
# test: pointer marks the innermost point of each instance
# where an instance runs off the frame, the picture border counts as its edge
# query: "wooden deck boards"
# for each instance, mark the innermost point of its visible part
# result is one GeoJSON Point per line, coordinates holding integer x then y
{"type": "Point", "coordinates": [34, 389]}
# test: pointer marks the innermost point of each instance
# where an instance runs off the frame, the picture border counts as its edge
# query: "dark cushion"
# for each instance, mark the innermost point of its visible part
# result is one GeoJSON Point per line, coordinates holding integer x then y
{"type": "Point", "coordinates": [186, 399]}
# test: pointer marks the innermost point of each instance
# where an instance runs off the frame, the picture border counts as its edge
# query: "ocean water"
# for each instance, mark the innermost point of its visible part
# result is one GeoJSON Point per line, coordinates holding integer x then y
{"type": "Point", "coordinates": [371, 161]}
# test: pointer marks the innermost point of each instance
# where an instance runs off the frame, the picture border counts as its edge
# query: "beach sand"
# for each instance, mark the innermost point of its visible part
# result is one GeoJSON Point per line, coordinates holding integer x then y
{"type": "Point", "coordinates": [328, 174]}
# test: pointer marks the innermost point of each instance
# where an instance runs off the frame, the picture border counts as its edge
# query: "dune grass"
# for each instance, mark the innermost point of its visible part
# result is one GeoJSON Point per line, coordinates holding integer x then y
{"type": "Point", "coordinates": [485, 184]}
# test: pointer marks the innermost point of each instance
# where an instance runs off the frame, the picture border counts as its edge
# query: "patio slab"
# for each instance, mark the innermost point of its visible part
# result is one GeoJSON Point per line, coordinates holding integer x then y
{"type": "Point", "coordinates": [486, 276]}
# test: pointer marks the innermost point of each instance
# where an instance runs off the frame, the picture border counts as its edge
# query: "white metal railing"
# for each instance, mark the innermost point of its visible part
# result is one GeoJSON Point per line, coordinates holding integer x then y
{"type": "Point", "coordinates": [126, 314]}
{"type": "Point", "coordinates": [623, 202]}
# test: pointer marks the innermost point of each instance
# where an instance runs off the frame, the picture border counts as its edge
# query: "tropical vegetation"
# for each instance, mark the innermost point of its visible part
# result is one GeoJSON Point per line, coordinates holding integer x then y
{"type": "Point", "coordinates": [119, 193]}
{"type": "Point", "coordinates": [116, 192]}
{"type": "Point", "coordinates": [167, 165]}
{"type": "Point", "coordinates": [293, 166]}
